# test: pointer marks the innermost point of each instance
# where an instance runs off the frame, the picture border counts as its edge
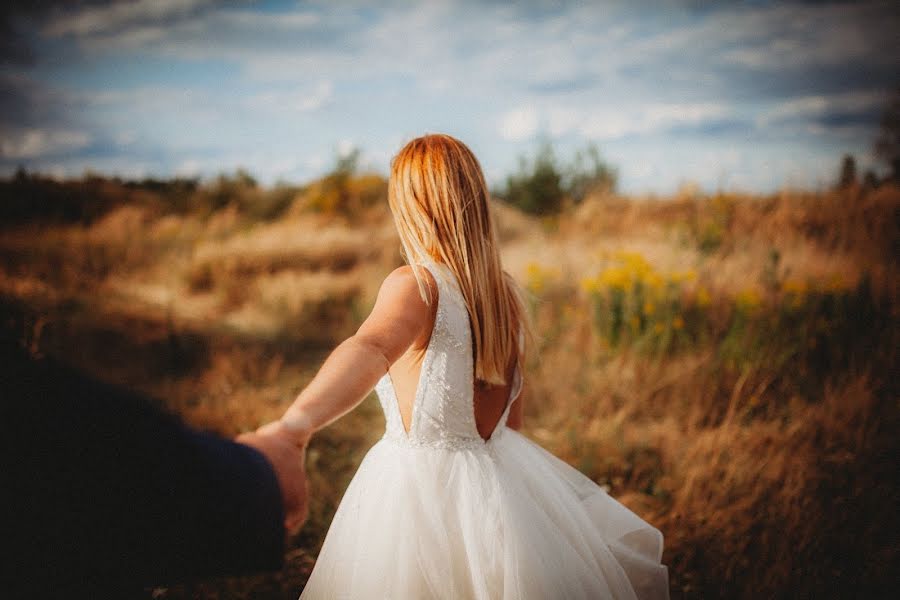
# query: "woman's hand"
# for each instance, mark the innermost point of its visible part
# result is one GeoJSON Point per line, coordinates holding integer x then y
{"type": "Point", "coordinates": [289, 427]}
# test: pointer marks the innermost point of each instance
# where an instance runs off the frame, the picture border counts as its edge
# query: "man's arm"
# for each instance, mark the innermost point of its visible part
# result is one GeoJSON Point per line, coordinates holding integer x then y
{"type": "Point", "coordinates": [101, 487]}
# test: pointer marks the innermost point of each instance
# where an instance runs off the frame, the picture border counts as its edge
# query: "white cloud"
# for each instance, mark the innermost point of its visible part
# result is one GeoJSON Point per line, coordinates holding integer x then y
{"type": "Point", "coordinates": [299, 100]}
{"type": "Point", "coordinates": [519, 124]}
{"type": "Point", "coordinates": [614, 122]}
{"type": "Point", "coordinates": [92, 20]}
{"type": "Point", "coordinates": [808, 107]}
{"type": "Point", "coordinates": [190, 167]}
{"type": "Point", "coordinates": [129, 38]}
{"type": "Point", "coordinates": [126, 138]}
{"type": "Point", "coordinates": [266, 21]}
{"type": "Point", "coordinates": [314, 163]}
{"type": "Point", "coordinates": [191, 30]}
{"type": "Point", "coordinates": [562, 120]}
{"type": "Point", "coordinates": [34, 143]}
{"type": "Point", "coordinates": [76, 166]}
{"type": "Point", "coordinates": [797, 35]}
{"type": "Point", "coordinates": [657, 114]}
{"type": "Point", "coordinates": [345, 147]}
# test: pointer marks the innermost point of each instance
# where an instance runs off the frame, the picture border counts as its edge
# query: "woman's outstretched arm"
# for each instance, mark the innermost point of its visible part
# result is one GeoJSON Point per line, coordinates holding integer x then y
{"type": "Point", "coordinates": [399, 318]}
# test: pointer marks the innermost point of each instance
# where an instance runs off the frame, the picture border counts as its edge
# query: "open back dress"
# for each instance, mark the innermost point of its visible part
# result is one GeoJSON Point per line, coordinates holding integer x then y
{"type": "Point", "coordinates": [440, 512]}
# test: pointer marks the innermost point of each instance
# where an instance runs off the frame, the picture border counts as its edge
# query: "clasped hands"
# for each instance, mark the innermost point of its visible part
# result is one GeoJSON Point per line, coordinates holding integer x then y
{"type": "Point", "coordinates": [284, 443]}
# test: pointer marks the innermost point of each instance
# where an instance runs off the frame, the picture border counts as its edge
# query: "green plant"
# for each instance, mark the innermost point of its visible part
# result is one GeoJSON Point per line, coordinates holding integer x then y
{"type": "Point", "coordinates": [542, 186]}
{"type": "Point", "coordinates": [344, 190]}
{"type": "Point", "coordinates": [537, 187]}
{"type": "Point", "coordinates": [588, 174]}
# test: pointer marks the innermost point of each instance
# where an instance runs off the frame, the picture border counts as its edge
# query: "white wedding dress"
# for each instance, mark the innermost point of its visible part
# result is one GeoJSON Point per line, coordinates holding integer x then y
{"type": "Point", "coordinates": [440, 513]}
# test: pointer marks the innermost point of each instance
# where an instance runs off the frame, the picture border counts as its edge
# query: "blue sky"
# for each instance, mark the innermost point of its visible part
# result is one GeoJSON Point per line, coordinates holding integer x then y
{"type": "Point", "coordinates": [742, 95]}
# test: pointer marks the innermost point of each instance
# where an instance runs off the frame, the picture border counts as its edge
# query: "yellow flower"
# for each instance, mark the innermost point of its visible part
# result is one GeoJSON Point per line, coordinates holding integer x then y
{"type": "Point", "coordinates": [653, 280]}
{"type": "Point", "coordinates": [634, 322]}
{"type": "Point", "coordinates": [677, 322]}
{"type": "Point", "coordinates": [634, 262]}
{"type": "Point", "coordinates": [836, 283]}
{"type": "Point", "coordinates": [649, 309]}
{"type": "Point", "coordinates": [625, 270]}
{"type": "Point", "coordinates": [536, 277]}
{"type": "Point", "coordinates": [795, 286]}
{"type": "Point", "coordinates": [703, 297]}
{"type": "Point", "coordinates": [748, 299]}
{"type": "Point", "coordinates": [658, 328]}
{"type": "Point", "coordinates": [615, 277]}
{"type": "Point", "coordinates": [796, 289]}
{"type": "Point", "coordinates": [679, 276]}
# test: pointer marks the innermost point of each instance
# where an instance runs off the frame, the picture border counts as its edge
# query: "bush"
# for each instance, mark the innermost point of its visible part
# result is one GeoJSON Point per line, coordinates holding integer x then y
{"type": "Point", "coordinates": [542, 186]}
{"type": "Point", "coordinates": [344, 190]}
{"type": "Point", "coordinates": [589, 174]}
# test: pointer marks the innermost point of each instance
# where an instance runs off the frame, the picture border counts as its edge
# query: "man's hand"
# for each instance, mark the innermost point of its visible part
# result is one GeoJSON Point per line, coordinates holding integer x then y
{"type": "Point", "coordinates": [289, 462]}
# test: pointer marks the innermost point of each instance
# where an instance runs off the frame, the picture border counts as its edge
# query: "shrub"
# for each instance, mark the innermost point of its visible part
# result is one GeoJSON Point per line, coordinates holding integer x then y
{"type": "Point", "coordinates": [344, 191]}
{"type": "Point", "coordinates": [542, 186]}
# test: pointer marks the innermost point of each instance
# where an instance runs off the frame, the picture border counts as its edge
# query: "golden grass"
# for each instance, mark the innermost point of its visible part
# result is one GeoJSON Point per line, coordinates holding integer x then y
{"type": "Point", "coordinates": [764, 459]}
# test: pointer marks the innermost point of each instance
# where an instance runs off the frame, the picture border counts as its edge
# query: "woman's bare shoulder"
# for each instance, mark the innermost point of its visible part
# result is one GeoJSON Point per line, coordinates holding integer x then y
{"type": "Point", "coordinates": [400, 317]}
{"type": "Point", "coordinates": [401, 284]}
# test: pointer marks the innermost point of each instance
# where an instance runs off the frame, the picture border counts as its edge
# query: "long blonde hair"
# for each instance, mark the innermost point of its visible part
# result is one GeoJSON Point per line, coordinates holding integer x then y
{"type": "Point", "coordinates": [439, 199]}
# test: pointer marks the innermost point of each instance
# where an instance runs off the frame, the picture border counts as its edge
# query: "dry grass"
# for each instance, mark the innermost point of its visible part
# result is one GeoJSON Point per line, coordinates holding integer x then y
{"type": "Point", "coordinates": [766, 459]}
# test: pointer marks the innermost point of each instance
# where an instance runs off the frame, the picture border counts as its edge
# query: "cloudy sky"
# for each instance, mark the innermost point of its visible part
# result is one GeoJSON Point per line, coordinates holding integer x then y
{"type": "Point", "coordinates": [741, 95]}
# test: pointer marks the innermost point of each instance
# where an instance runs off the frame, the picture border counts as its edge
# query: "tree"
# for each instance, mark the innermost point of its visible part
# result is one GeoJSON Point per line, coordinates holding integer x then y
{"type": "Point", "coordinates": [887, 145]}
{"type": "Point", "coordinates": [347, 163]}
{"type": "Point", "coordinates": [537, 187]}
{"type": "Point", "coordinates": [541, 185]}
{"type": "Point", "coordinates": [243, 178]}
{"type": "Point", "coordinates": [589, 174]}
{"type": "Point", "coordinates": [847, 177]}
{"type": "Point", "coordinates": [870, 180]}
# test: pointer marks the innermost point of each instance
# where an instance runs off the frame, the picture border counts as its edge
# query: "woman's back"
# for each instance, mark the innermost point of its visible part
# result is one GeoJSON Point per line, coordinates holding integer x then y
{"type": "Point", "coordinates": [428, 396]}
{"type": "Point", "coordinates": [489, 402]}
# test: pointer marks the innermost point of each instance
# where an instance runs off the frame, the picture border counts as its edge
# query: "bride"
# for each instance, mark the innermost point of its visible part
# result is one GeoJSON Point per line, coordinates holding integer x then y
{"type": "Point", "coordinates": [454, 502]}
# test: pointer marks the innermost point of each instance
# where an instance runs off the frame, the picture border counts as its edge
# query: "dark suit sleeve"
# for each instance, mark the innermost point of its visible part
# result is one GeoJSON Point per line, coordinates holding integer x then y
{"type": "Point", "coordinates": [100, 487]}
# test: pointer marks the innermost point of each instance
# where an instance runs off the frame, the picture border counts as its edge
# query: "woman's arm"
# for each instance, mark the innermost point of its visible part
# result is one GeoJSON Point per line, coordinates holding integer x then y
{"type": "Point", "coordinates": [399, 318]}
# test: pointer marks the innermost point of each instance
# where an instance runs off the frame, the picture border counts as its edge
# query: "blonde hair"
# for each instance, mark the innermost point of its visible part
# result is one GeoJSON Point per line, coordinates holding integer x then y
{"type": "Point", "coordinates": [439, 199]}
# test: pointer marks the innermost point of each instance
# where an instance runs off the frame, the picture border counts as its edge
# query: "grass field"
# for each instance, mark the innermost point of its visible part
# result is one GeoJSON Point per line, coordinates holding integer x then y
{"type": "Point", "coordinates": [725, 364]}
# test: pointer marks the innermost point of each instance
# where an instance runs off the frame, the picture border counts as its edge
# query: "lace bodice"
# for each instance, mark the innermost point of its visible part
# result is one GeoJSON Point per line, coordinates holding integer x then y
{"type": "Point", "coordinates": [443, 414]}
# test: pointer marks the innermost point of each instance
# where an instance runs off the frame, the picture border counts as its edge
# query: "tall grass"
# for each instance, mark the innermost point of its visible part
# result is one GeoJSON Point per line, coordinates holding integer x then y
{"type": "Point", "coordinates": [723, 364]}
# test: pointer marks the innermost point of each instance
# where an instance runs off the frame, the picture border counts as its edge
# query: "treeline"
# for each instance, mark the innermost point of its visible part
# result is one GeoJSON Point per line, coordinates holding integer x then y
{"type": "Point", "coordinates": [542, 185]}
{"type": "Point", "coordinates": [34, 197]}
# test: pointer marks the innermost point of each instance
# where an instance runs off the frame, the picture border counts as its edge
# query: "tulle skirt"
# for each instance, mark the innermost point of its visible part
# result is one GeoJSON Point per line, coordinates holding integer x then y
{"type": "Point", "coordinates": [506, 520]}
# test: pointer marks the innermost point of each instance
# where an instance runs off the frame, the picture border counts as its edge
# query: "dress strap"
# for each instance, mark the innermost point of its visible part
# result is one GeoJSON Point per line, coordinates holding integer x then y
{"type": "Point", "coordinates": [447, 284]}
{"type": "Point", "coordinates": [518, 383]}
